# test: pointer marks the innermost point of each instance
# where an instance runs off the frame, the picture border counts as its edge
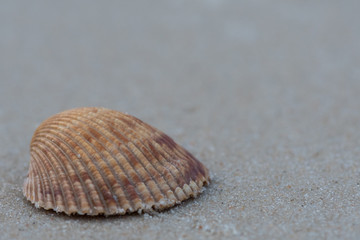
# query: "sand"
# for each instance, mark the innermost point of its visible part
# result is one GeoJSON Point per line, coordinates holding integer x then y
{"type": "Point", "coordinates": [265, 93]}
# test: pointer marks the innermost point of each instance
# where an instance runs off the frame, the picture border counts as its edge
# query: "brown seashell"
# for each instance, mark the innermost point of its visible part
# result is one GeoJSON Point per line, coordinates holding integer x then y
{"type": "Point", "coordinates": [99, 161]}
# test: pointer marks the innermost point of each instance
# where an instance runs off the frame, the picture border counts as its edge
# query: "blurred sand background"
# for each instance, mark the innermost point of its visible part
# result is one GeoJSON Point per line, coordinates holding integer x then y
{"type": "Point", "coordinates": [265, 93]}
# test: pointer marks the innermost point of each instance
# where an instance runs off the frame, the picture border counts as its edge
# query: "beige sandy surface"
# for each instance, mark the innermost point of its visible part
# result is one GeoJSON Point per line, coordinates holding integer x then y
{"type": "Point", "coordinates": [265, 93]}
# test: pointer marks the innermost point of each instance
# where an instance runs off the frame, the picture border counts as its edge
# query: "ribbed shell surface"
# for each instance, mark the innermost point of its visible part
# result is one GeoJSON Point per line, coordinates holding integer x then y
{"type": "Point", "coordinates": [99, 161]}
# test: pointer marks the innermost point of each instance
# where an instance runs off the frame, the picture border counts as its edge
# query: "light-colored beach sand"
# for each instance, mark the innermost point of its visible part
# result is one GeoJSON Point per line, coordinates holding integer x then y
{"type": "Point", "coordinates": [265, 93]}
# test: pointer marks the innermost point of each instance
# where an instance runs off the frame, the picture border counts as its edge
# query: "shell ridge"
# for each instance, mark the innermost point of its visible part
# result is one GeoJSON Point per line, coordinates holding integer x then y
{"type": "Point", "coordinates": [150, 152]}
{"type": "Point", "coordinates": [195, 188]}
{"type": "Point", "coordinates": [155, 147]}
{"type": "Point", "coordinates": [104, 135]}
{"type": "Point", "coordinates": [168, 140]}
{"type": "Point", "coordinates": [45, 143]}
{"type": "Point", "coordinates": [92, 205]}
{"type": "Point", "coordinates": [168, 152]}
{"type": "Point", "coordinates": [68, 133]}
{"type": "Point", "coordinates": [180, 153]}
{"type": "Point", "coordinates": [174, 153]}
{"type": "Point", "coordinates": [179, 177]}
{"type": "Point", "coordinates": [28, 181]}
{"type": "Point", "coordinates": [42, 187]}
{"type": "Point", "coordinates": [83, 185]}
{"type": "Point", "coordinates": [145, 130]}
{"type": "Point", "coordinates": [152, 173]}
{"type": "Point", "coordinates": [167, 156]}
{"type": "Point", "coordinates": [186, 158]}
{"type": "Point", "coordinates": [89, 173]}
{"type": "Point", "coordinates": [32, 186]}
{"type": "Point", "coordinates": [200, 167]}
{"type": "Point", "coordinates": [35, 186]}
{"type": "Point", "coordinates": [139, 160]}
{"type": "Point", "coordinates": [57, 182]}
{"type": "Point", "coordinates": [149, 149]}
{"type": "Point", "coordinates": [125, 173]}
{"type": "Point", "coordinates": [163, 159]}
{"type": "Point", "coordinates": [124, 156]}
{"type": "Point", "coordinates": [103, 157]}
{"type": "Point", "coordinates": [192, 161]}
{"type": "Point", "coordinates": [156, 168]}
{"type": "Point", "coordinates": [37, 160]}
{"type": "Point", "coordinates": [159, 179]}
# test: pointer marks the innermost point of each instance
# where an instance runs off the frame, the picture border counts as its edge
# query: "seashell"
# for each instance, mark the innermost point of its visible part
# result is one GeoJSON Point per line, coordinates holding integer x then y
{"type": "Point", "coordinates": [99, 161]}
